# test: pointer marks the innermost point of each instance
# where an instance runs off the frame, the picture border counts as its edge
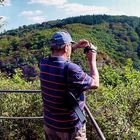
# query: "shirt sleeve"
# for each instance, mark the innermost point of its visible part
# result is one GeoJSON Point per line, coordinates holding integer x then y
{"type": "Point", "coordinates": [78, 80]}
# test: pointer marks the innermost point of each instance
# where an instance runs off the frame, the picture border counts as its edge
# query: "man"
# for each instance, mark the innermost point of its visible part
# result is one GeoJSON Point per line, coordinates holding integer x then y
{"type": "Point", "coordinates": [60, 122]}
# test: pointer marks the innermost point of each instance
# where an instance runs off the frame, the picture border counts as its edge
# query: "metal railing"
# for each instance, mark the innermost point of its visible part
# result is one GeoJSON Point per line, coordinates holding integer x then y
{"type": "Point", "coordinates": [94, 123]}
{"type": "Point", "coordinates": [21, 91]}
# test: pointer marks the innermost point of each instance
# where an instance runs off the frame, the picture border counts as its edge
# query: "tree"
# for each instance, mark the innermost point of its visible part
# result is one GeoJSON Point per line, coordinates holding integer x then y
{"type": "Point", "coordinates": [1, 2]}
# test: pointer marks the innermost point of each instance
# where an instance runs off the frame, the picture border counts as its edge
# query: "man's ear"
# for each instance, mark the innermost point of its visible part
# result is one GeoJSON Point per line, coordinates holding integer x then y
{"type": "Point", "coordinates": [65, 48]}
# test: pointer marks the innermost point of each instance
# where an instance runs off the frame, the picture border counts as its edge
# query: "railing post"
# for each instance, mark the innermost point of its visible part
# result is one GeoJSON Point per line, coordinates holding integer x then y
{"type": "Point", "coordinates": [94, 123]}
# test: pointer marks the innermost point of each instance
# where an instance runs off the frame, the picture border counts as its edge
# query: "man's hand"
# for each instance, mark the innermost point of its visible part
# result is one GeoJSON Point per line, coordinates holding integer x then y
{"type": "Point", "coordinates": [91, 49]}
{"type": "Point", "coordinates": [81, 44]}
{"type": "Point", "coordinates": [85, 44]}
{"type": "Point", "coordinates": [91, 53]}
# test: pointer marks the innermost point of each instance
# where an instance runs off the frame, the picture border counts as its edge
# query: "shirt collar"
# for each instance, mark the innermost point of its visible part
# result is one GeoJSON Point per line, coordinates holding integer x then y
{"type": "Point", "coordinates": [57, 58]}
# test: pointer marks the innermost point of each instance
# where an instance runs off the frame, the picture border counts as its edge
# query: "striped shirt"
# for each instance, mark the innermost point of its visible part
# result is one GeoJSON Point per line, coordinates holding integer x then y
{"type": "Point", "coordinates": [56, 114]}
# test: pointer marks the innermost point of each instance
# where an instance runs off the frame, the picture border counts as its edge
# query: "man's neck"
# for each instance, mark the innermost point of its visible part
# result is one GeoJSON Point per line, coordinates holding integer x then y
{"type": "Point", "coordinates": [59, 55]}
{"type": "Point", "coordinates": [66, 58]}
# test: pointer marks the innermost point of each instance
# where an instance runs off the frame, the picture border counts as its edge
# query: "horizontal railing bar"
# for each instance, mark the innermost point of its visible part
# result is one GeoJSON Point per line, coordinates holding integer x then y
{"type": "Point", "coordinates": [17, 118]}
{"type": "Point", "coordinates": [98, 130]}
{"type": "Point", "coordinates": [20, 91]}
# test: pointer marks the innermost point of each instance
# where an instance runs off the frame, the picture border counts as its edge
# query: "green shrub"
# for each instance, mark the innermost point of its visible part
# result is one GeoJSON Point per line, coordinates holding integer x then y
{"type": "Point", "coordinates": [115, 106]}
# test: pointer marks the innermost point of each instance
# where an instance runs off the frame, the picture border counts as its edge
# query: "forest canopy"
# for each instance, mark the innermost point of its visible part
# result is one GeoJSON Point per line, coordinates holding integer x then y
{"type": "Point", "coordinates": [117, 38]}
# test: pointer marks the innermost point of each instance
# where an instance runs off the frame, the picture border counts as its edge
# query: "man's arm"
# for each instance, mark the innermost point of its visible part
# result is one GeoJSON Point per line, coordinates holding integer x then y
{"type": "Point", "coordinates": [91, 56]}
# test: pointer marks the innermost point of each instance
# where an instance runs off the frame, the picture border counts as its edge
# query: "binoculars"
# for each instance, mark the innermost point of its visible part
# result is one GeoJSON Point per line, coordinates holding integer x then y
{"type": "Point", "coordinates": [87, 49]}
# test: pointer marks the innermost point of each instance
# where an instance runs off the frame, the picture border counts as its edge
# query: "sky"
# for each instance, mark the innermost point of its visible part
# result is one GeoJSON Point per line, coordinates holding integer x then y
{"type": "Point", "coordinates": [17, 13]}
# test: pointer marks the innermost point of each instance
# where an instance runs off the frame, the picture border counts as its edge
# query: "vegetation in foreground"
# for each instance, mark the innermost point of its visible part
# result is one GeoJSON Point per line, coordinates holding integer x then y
{"type": "Point", "coordinates": [115, 106]}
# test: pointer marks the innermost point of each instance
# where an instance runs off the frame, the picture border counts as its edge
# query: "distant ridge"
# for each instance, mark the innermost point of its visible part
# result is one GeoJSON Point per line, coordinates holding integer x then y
{"type": "Point", "coordinates": [85, 19]}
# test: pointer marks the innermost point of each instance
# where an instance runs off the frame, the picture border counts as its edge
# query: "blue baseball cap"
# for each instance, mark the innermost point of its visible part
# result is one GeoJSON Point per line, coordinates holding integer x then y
{"type": "Point", "coordinates": [59, 39]}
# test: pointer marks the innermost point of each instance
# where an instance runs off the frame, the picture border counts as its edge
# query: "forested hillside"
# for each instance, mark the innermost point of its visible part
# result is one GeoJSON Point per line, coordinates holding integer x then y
{"type": "Point", "coordinates": [117, 38]}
